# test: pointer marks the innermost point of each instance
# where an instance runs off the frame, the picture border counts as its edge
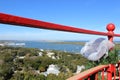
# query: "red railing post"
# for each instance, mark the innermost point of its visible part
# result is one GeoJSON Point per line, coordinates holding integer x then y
{"type": "Point", "coordinates": [110, 71]}
{"type": "Point", "coordinates": [119, 70]}
{"type": "Point", "coordinates": [110, 27]}
{"type": "Point", "coordinates": [103, 74]}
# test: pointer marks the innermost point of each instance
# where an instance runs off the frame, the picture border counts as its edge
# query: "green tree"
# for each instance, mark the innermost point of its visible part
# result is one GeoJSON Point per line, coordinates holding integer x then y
{"type": "Point", "coordinates": [51, 77]}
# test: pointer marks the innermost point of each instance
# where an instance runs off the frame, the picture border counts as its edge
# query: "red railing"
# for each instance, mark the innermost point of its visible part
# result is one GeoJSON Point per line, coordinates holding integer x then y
{"type": "Point", "coordinates": [88, 74]}
{"type": "Point", "coordinates": [16, 20]}
{"type": "Point", "coordinates": [99, 73]}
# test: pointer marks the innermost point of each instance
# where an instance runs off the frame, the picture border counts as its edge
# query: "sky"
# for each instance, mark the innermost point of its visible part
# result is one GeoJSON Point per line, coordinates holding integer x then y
{"type": "Point", "coordinates": [87, 14]}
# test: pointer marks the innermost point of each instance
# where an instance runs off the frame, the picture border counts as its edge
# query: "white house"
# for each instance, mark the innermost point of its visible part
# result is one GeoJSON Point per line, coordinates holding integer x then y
{"type": "Point", "coordinates": [79, 68]}
{"type": "Point", "coordinates": [53, 69]}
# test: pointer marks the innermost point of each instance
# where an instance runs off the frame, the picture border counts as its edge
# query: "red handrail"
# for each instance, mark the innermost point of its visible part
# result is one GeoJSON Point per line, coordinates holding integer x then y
{"type": "Point", "coordinates": [113, 73]}
{"type": "Point", "coordinates": [21, 21]}
{"type": "Point", "coordinates": [88, 72]}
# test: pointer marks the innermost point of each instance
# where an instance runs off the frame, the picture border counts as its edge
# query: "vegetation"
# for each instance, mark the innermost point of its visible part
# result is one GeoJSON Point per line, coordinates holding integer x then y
{"type": "Point", "coordinates": [17, 63]}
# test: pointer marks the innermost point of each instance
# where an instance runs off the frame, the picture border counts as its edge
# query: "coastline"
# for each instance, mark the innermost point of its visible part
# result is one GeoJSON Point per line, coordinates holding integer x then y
{"type": "Point", "coordinates": [67, 46]}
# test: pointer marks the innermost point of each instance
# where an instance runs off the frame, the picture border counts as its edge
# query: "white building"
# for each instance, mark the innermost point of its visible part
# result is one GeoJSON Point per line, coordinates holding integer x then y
{"type": "Point", "coordinates": [40, 54]}
{"type": "Point", "coordinates": [50, 54]}
{"type": "Point", "coordinates": [79, 68]}
{"type": "Point", "coordinates": [2, 44]}
{"type": "Point", "coordinates": [53, 69]}
{"type": "Point", "coordinates": [41, 49]}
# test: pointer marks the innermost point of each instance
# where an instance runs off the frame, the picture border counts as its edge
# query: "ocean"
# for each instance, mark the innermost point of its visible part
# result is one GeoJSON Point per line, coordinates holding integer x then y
{"type": "Point", "coordinates": [74, 48]}
{"type": "Point", "coordinates": [53, 46]}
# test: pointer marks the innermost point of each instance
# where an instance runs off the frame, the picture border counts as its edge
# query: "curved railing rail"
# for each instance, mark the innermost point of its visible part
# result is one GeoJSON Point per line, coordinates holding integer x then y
{"type": "Point", "coordinates": [101, 72]}
{"type": "Point", "coordinates": [110, 69]}
{"type": "Point", "coordinates": [89, 73]}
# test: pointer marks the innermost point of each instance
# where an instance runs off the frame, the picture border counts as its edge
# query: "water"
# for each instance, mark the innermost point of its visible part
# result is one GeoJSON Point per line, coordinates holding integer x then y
{"type": "Point", "coordinates": [47, 45]}
{"type": "Point", "coordinates": [53, 46]}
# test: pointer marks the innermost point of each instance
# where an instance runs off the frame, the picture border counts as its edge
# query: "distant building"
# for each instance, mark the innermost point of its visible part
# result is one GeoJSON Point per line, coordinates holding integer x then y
{"type": "Point", "coordinates": [50, 54]}
{"type": "Point", "coordinates": [40, 54]}
{"type": "Point", "coordinates": [79, 68]}
{"type": "Point", "coordinates": [1, 44]}
{"type": "Point", "coordinates": [5, 43]}
{"type": "Point", "coordinates": [41, 49]}
{"type": "Point", "coordinates": [21, 57]}
{"type": "Point", "coordinates": [53, 69]}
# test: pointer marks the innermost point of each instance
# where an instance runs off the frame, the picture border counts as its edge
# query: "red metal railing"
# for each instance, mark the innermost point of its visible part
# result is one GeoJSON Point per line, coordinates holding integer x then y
{"type": "Point", "coordinates": [88, 74]}
{"type": "Point", "coordinates": [91, 73]}
{"type": "Point", "coordinates": [16, 20]}
{"type": "Point", "coordinates": [113, 73]}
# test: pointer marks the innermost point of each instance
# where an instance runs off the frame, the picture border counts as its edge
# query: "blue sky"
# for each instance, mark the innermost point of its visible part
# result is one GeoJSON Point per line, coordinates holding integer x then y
{"type": "Point", "coordinates": [88, 14]}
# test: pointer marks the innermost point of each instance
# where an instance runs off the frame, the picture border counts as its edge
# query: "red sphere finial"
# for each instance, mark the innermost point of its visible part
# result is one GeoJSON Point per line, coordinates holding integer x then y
{"type": "Point", "coordinates": [110, 27]}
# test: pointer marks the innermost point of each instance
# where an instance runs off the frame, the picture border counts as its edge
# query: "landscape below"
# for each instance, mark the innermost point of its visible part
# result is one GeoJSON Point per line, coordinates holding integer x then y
{"type": "Point", "coordinates": [19, 63]}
